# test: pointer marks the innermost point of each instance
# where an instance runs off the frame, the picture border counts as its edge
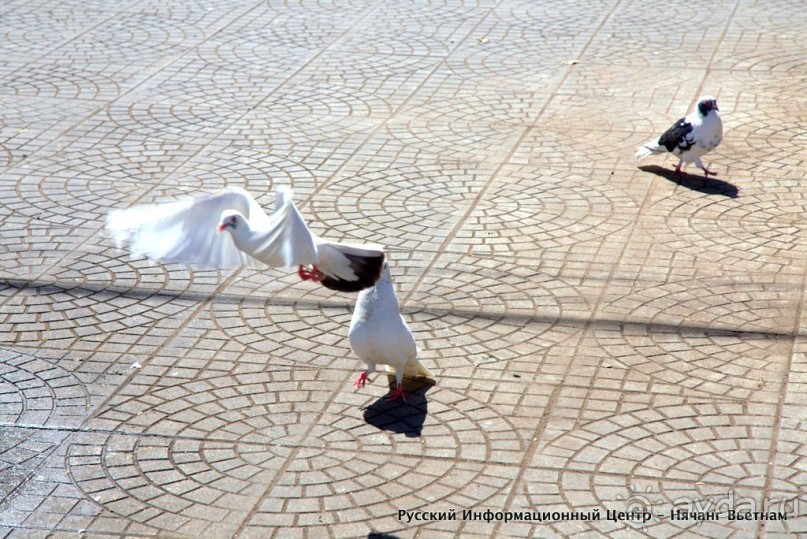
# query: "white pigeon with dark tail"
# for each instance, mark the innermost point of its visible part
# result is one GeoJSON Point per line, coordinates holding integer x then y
{"type": "Point", "coordinates": [690, 138]}
{"type": "Point", "coordinates": [379, 335]}
{"type": "Point", "coordinates": [228, 229]}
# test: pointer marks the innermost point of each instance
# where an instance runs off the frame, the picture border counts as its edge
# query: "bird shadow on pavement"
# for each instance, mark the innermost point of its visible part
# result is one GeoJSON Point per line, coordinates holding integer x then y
{"type": "Point", "coordinates": [402, 417]}
{"type": "Point", "coordinates": [707, 186]}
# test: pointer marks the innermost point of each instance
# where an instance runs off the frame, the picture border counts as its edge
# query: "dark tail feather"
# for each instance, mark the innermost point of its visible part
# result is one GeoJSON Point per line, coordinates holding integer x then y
{"type": "Point", "coordinates": [367, 269]}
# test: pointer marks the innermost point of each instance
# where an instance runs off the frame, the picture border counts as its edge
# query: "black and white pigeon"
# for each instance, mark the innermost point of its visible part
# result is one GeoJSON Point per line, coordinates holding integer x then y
{"type": "Point", "coordinates": [690, 138]}
{"type": "Point", "coordinates": [379, 335]}
{"type": "Point", "coordinates": [229, 228]}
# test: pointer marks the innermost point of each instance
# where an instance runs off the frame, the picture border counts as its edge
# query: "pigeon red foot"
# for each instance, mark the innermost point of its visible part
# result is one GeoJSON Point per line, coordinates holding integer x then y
{"type": "Point", "coordinates": [398, 394]}
{"type": "Point", "coordinates": [361, 380]}
{"type": "Point", "coordinates": [312, 274]}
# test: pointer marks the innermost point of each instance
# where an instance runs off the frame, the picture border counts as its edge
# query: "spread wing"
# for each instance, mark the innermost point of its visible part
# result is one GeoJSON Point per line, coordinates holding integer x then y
{"type": "Point", "coordinates": [287, 241]}
{"type": "Point", "coordinates": [283, 240]}
{"type": "Point", "coordinates": [185, 231]}
{"type": "Point", "coordinates": [349, 268]}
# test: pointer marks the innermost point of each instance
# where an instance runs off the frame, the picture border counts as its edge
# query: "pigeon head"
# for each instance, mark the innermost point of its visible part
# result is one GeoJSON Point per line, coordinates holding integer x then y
{"type": "Point", "coordinates": [707, 103]}
{"type": "Point", "coordinates": [385, 274]}
{"type": "Point", "coordinates": [232, 220]}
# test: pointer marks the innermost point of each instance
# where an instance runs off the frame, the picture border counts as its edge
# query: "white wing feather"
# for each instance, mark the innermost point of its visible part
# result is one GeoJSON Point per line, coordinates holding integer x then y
{"type": "Point", "coordinates": [649, 148]}
{"type": "Point", "coordinates": [185, 231]}
{"type": "Point", "coordinates": [285, 239]}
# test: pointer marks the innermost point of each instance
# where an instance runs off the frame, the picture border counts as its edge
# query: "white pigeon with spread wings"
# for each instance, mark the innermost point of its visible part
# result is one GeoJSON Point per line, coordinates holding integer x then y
{"type": "Point", "coordinates": [229, 228]}
{"type": "Point", "coordinates": [691, 137]}
{"type": "Point", "coordinates": [379, 335]}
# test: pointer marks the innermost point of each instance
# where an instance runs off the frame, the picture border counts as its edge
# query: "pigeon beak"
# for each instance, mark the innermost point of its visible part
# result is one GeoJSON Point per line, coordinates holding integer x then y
{"type": "Point", "coordinates": [221, 227]}
{"type": "Point", "coordinates": [716, 107]}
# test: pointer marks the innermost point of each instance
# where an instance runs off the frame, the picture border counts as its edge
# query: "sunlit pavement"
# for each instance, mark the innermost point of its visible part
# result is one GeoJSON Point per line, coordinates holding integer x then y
{"type": "Point", "coordinates": [610, 343]}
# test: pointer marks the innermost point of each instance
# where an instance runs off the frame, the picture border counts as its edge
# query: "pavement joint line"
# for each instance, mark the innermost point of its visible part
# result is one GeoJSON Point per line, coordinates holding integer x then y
{"type": "Point", "coordinates": [571, 321]}
{"type": "Point", "coordinates": [634, 294]}
{"type": "Point", "coordinates": [202, 147]}
{"type": "Point", "coordinates": [776, 428]}
{"type": "Point", "coordinates": [441, 250]}
{"type": "Point", "coordinates": [63, 43]}
{"type": "Point", "coordinates": [289, 460]}
{"type": "Point", "coordinates": [165, 344]}
{"type": "Point", "coordinates": [279, 473]}
{"type": "Point", "coordinates": [105, 105]}
{"type": "Point", "coordinates": [299, 444]}
{"type": "Point", "coordinates": [556, 393]}
{"type": "Point", "coordinates": [93, 236]}
{"type": "Point", "coordinates": [95, 230]}
{"type": "Point", "coordinates": [72, 532]}
{"type": "Point", "coordinates": [693, 395]}
{"type": "Point", "coordinates": [394, 113]}
{"type": "Point", "coordinates": [655, 181]}
{"type": "Point", "coordinates": [292, 301]}
{"type": "Point", "coordinates": [667, 480]}
{"type": "Point", "coordinates": [706, 73]}
{"type": "Point", "coordinates": [224, 285]}
{"type": "Point", "coordinates": [126, 379]}
{"type": "Point", "coordinates": [719, 41]}
{"type": "Point", "coordinates": [305, 201]}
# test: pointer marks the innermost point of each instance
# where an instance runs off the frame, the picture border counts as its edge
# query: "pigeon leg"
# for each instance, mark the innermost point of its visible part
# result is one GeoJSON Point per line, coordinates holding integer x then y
{"type": "Point", "coordinates": [361, 380]}
{"type": "Point", "coordinates": [398, 394]}
{"type": "Point", "coordinates": [706, 171]}
{"type": "Point", "coordinates": [312, 274]}
{"type": "Point", "coordinates": [363, 377]}
{"type": "Point", "coordinates": [678, 171]}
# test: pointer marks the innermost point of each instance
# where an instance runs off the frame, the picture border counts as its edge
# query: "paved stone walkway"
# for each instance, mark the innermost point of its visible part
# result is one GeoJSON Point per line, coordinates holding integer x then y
{"type": "Point", "coordinates": [605, 338]}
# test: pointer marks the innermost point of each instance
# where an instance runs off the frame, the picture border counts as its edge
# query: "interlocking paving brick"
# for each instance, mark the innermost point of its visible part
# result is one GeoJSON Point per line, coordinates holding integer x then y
{"type": "Point", "coordinates": [22, 450]}
{"type": "Point", "coordinates": [313, 146]}
{"type": "Point", "coordinates": [350, 84]}
{"type": "Point", "coordinates": [413, 205]}
{"type": "Point", "coordinates": [634, 37]}
{"type": "Point", "coordinates": [448, 97]}
{"type": "Point", "coordinates": [337, 486]}
{"type": "Point", "coordinates": [434, 29]}
{"type": "Point", "coordinates": [28, 31]}
{"type": "Point", "coordinates": [91, 177]}
{"type": "Point", "coordinates": [31, 124]}
{"type": "Point", "coordinates": [531, 210]}
{"type": "Point", "coordinates": [605, 335]}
